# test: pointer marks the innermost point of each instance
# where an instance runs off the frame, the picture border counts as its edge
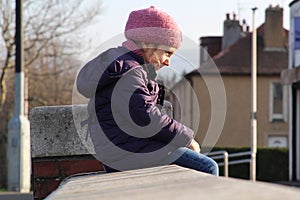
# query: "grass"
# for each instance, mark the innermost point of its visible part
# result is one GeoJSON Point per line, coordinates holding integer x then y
{"type": "Point", "coordinates": [3, 190]}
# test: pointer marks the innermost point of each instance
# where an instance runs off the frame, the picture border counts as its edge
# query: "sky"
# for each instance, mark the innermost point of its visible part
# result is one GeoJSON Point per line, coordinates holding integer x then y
{"type": "Point", "coordinates": [196, 18]}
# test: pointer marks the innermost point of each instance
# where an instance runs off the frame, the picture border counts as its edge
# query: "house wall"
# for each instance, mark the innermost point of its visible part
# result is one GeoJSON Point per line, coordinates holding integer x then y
{"type": "Point", "coordinates": [236, 130]}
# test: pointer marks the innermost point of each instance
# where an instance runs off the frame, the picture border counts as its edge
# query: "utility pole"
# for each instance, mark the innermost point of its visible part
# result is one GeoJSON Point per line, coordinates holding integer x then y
{"type": "Point", "coordinates": [19, 167]}
{"type": "Point", "coordinates": [253, 101]}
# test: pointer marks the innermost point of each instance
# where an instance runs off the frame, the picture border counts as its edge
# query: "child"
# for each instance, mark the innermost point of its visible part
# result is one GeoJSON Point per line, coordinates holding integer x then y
{"type": "Point", "coordinates": [127, 128]}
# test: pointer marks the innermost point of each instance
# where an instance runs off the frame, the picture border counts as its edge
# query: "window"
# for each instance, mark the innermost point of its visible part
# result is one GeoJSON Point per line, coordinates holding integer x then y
{"type": "Point", "coordinates": [278, 102]}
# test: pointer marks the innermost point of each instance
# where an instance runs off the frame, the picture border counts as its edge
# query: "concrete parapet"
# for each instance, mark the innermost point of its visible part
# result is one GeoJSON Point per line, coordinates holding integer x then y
{"type": "Point", "coordinates": [54, 132]}
{"type": "Point", "coordinates": [168, 182]}
{"type": "Point", "coordinates": [57, 146]}
{"type": "Point", "coordinates": [57, 130]}
{"type": "Point", "coordinates": [60, 146]}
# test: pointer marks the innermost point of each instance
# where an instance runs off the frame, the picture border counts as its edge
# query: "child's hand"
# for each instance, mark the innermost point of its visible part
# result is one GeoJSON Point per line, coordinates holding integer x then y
{"type": "Point", "coordinates": [195, 146]}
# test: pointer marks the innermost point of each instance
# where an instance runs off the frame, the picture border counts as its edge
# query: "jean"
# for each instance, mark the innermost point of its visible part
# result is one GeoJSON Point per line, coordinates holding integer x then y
{"type": "Point", "coordinates": [187, 158]}
{"type": "Point", "coordinates": [193, 160]}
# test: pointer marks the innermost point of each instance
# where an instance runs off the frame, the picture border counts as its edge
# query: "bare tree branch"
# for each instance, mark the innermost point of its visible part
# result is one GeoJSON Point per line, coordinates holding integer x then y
{"type": "Point", "coordinates": [58, 24]}
{"type": "Point", "coordinates": [45, 23]}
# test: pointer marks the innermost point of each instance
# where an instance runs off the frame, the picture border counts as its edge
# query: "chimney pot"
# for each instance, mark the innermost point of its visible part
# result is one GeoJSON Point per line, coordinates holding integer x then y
{"type": "Point", "coordinates": [227, 16]}
{"type": "Point", "coordinates": [234, 16]}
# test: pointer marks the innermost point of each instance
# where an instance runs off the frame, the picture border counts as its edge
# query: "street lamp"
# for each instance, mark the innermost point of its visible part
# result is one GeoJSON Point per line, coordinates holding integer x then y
{"type": "Point", "coordinates": [18, 127]}
{"type": "Point", "coordinates": [253, 101]}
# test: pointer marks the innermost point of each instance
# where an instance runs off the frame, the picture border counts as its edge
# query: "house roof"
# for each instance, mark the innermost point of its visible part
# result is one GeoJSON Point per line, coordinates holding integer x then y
{"type": "Point", "coordinates": [236, 60]}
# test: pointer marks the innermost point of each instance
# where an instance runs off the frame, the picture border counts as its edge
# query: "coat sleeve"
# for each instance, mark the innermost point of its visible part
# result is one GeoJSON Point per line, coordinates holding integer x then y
{"type": "Point", "coordinates": [135, 103]}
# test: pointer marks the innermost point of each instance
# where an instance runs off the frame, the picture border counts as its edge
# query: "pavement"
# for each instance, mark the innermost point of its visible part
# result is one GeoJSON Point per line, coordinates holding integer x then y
{"type": "Point", "coordinates": [15, 196]}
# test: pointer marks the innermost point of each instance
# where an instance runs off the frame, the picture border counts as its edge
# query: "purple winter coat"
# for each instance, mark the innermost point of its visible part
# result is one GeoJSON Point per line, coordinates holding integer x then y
{"type": "Point", "coordinates": [127, 128]}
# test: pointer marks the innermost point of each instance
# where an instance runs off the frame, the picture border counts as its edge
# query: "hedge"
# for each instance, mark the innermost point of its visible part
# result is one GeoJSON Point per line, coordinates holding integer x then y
{"type": "Point", "coordinates": [272, 164]}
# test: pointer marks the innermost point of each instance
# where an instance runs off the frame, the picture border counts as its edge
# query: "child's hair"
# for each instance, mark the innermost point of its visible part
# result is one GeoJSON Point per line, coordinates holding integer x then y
{"type": "Point", "coordinates": [149, 50]}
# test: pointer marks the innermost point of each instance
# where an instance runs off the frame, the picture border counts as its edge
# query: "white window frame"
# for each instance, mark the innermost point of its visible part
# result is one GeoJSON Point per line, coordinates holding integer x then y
{"type": "Point", "coordinates": [275, 116]}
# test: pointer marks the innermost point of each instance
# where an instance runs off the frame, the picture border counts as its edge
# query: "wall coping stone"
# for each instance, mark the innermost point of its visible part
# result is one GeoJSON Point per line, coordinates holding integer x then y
{"type": "Point", "coordinates": [168, 182]}
{"type": "Point", "coordinates": [57, 130]}
{"type": "Point", "coordinates": [54, 132]}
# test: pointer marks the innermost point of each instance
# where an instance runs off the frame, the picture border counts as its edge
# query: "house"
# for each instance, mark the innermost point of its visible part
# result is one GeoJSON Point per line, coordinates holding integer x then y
{"type": "Point", "coordinates": [215, 99]}
{"type": "Point", "coordinates": [291, 77]}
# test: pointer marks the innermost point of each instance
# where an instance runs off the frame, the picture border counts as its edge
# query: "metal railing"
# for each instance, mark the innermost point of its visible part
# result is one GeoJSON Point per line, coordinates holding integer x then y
{"type": "Point", "coordinates": [218, 155]}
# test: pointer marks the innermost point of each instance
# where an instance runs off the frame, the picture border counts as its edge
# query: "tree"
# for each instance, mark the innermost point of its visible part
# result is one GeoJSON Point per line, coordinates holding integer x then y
{"type": "Point", "coordinates": [50, 41]}
{"type": "Point", "coordinates": [45, 22]}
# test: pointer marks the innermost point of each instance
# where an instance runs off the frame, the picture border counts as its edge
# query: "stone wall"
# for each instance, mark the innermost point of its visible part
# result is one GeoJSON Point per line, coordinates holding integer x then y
{"type": "Point", "coordinates": [58, 147]}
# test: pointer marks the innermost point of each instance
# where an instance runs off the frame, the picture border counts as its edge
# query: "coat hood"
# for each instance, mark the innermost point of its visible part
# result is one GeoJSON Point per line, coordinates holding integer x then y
{"type": "Point", "coordinates": [107, 67]}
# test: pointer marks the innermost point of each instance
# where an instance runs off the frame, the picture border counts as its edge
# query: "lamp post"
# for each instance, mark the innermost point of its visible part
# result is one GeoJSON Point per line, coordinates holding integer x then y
{"type": "Point", "coordinates": [253, 101]}
{"type": "Point", "coordinates": [18, 127]}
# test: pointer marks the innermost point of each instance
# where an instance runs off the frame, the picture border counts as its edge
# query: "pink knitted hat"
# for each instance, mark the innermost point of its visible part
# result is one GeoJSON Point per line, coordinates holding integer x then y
{"type": "Point", "coordinates": [153, 26]}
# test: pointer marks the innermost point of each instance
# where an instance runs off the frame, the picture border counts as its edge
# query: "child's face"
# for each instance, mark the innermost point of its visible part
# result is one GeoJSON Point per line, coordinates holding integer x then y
{"type": "Point", "coordinates": [160, 56]}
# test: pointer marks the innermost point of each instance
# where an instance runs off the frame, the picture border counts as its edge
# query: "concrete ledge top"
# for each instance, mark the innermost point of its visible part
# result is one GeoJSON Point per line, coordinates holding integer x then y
{"type": "Point", "coordinates": [168, 182]}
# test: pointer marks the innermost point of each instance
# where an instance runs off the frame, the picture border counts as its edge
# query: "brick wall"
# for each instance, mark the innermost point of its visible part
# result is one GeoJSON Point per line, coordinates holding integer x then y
{"type": "Point", "coordinates": [49, 172]}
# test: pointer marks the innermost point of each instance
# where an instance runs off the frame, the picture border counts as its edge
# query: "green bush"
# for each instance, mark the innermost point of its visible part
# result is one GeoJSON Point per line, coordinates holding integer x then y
{"type": "Point", "coordinates": [272, 164]}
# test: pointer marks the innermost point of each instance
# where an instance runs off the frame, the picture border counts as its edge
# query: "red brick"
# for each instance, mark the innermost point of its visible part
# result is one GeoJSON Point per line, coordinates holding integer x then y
{"type": "Point", "coordinates": [43, 187]}
{"type": "Point", "coordinates": [70, 167]}
{"type": "Point", "coordinates": [45, 169]}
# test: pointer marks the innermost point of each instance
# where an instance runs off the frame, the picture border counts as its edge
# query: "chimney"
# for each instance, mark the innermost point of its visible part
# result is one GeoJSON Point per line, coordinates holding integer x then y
{"type": "Point", "coordinates": [232, 31]}
{"type": "Point", "coordinates": [274, 37]}
{"type": "Point", "coordinates": [209, 47]}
